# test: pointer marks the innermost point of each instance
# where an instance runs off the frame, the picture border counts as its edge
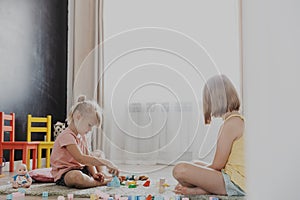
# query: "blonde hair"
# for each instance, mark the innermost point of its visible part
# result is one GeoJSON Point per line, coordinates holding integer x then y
{"type": "Point", "coordinates": [85, 107]}
{"type": "Point", "coordinates": [219, 97]}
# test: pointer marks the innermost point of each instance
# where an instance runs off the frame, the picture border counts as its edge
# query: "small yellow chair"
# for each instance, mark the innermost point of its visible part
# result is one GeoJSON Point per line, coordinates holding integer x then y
{"type": "Point", "coordinates": [46, 130]}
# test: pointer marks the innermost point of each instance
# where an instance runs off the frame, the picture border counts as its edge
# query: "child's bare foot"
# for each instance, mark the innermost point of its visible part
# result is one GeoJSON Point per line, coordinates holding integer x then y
{"type": "Point", "coordinates": [102, 183]}
{"type": "Point", "coordinates": [179, 189]}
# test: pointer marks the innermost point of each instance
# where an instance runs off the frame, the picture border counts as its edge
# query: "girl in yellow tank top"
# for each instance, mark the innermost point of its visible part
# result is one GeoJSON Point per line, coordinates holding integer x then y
{"type": "Point", "coordinates": [226, 174]}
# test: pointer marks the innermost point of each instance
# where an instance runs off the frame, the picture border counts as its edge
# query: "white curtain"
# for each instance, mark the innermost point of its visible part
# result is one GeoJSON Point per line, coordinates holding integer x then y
{"type": "Point", "coordinates": [86, 56]}
{"type": "Point", "coordinates": [158, 133]}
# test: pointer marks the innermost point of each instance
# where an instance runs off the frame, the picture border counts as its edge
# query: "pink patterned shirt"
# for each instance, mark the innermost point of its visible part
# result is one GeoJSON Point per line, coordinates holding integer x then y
{"type": "Point", "coordinates": [61, 160]}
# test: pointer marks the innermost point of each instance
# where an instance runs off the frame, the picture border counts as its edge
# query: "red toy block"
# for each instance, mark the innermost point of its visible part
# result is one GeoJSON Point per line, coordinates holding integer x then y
{"type": "Point", "coordinates": [149, 197]}
{"type": "Point", "coordinates": [147, 183]}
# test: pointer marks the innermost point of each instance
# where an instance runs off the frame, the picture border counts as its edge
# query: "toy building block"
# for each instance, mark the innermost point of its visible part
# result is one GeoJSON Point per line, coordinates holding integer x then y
{"type": "Point", "coordinates": [131, 178]}
{"type": "Point", "coordinates": [158, 198]}
{"type": "Point", "coordinates": [60, 198]}
{"type": "Point", "coordinates": [141, 198]}
{"type": "Point", "coordinates": [9, 197]}
{"type": "Point", "coordinates": [101, 194]}
{"type": "Point", "coordinates": [132, 197]}
{"type": "Point", "coordinates": [45, 194]}
{"type": "Point", "coordinates": [93, 197]}
{"type": "Point", "coordinates": [143, 178]}
{"type": "Point", "coordinates": [149, 197]}
{"type": "Point", "coordinates": [123, 183]}
{"type": "Point", "coordinates": [131, 183]}
{"type": "Point", "coordinates": [177, 197]}
{"type": "Point", "coordinates": [213, 198]}
{"type": "Point", "coordinates": [115, 182]}
{"type": "Point", "coordinates": [70, 196]}
{"type": "Point", "coordinates": [165, 185]}
{"type": "Point", "coordinates": [132, 186]}
{"type": "Point", "coordinates": [147, 183]}
{"type": "Point", "coordinates": [161, 188]}
{"type": "Point", "coordinates": [123, 178]}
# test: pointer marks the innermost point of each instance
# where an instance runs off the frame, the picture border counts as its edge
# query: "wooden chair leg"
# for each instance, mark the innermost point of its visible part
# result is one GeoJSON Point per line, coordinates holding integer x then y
{"type": "Point", "coordinates": [39, 158]}
{"type": "Point", "coordinates": [12, 160]}
{"type": "Point", "coordinates": [28, 158]}
{"type": "Point", "coordinates": [34, 159]}
{"type": "Point", "coordinates": [48, 158]}
{"type": "Point", "coordinates": [1, 157]}
{"type": "Point", "coordinates": [25, 156]}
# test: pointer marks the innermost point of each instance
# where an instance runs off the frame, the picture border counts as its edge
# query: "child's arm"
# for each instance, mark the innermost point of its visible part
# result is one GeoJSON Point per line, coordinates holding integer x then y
{"type": "Point", "coordinates": [91, 170]}
{"type": "Point", "coordinates": [229, 132]}
{"type": "Point", "coordinates": [91, 160]}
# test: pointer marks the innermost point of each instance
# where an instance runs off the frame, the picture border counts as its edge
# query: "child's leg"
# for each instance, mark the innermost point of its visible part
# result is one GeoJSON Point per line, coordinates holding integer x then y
{"type": "Point", "coordinates": [202, 179]}
{"type": "Point", "coordinates": [77, 179]}
{"type": "Point", "coordinates": [198, 162]}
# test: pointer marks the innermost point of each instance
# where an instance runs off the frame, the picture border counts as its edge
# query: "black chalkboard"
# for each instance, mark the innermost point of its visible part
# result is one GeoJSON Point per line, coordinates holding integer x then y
{"type": "Point", "coordinates": [33, 60]}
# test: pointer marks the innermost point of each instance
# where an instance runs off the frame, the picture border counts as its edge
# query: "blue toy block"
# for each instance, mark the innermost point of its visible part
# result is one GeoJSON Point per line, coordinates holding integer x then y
{"type": "Point", "coordinates": [45, 194]}
{"type": "Point", "coordinates": [158, 198]}
{"type": "Point", "coordinates": [9, 197]}
{"type": "Point", "coordinates": [132, 197]}
{"type": "Point", "coordinates": [115, 182]}
{"type": "Point", "coordinates": [177, 197]}
{"type": "Point", "coordinates": [141, 198]}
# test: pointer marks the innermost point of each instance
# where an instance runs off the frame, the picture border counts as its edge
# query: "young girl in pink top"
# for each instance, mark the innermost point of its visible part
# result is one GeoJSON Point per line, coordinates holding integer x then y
{"type": "Point", "coordinates": [226, 174]}
{"type": "Point", "coordinates": [71, 163]}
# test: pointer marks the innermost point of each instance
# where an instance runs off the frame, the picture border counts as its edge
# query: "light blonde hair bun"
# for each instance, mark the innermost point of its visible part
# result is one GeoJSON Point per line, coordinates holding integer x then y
{"type": "Point", "coordinates": [81, 98]}
{"type": "Point", "coordinates": [85, 107]}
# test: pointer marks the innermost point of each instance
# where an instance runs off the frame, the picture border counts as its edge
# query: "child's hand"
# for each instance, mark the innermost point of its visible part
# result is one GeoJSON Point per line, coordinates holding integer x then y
{"type": "Point", "coordinates": [113, 171]}
{"type": "Point", "coordinates": [99, 176]}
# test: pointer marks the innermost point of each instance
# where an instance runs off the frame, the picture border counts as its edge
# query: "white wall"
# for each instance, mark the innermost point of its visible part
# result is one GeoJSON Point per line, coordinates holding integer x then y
{"type": "Point", "coordinates": [163, 51]}
{"type": "Point", "coordinates": [271, 73]}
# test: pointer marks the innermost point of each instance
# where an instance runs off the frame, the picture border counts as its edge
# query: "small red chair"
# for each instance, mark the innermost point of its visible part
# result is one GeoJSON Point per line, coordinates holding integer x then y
{"type": "Point", "coordinates": [13, 145]}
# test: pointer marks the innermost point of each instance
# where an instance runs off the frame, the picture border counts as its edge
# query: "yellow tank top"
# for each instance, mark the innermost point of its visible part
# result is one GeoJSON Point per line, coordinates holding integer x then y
{"type": "Point", "coordinates": [235, 166]}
